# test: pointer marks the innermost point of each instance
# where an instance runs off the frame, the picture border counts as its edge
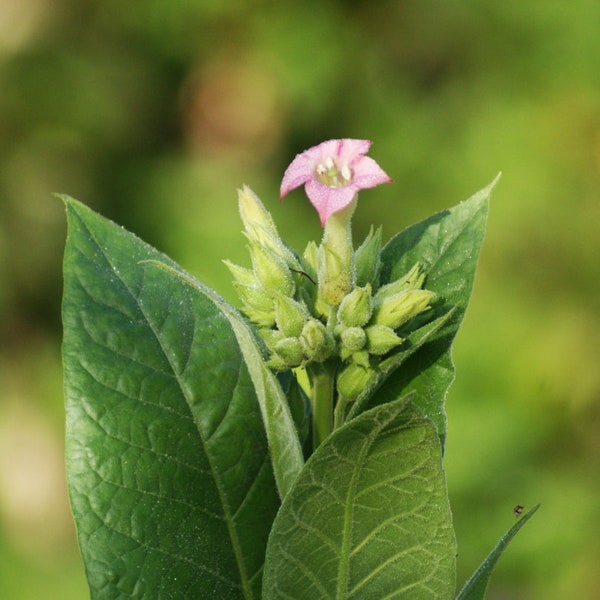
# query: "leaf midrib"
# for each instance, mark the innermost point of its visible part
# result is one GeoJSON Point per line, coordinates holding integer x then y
{"type": "Point", "coordinates": [245, 587]}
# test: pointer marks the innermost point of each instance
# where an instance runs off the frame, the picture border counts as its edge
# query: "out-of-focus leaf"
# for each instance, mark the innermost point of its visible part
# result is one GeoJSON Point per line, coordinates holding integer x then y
{"type": "Point", "coordinates": [476, 586]}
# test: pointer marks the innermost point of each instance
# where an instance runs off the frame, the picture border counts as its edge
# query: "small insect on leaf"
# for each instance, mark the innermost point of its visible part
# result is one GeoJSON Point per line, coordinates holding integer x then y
{"type": "Point", "coordinates": [518, 509]}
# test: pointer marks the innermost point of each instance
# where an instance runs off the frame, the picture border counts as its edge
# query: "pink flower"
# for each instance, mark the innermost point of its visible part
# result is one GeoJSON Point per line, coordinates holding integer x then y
{"type": "Point", "coordinates": [333, 172]}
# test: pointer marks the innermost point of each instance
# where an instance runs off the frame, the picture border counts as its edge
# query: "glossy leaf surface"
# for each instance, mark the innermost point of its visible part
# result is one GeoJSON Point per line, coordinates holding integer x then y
{"type": "Point", "coordinates": [169, 477]}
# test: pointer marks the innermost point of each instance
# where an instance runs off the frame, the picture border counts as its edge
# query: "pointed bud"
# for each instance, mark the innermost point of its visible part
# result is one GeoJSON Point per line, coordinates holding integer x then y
{"type": "Point", "coordinates": [272, 272]}
{"type": "Point", "coordinates": [413, 280]}
{"type": "Point", "coordinates": [290, 315]}
{"type": "Point", "coordinates": [361, 358]}
{"type": "Point", "coordinates": [352, 380]}
{"type": "Point", "coordinates": [253, 212]}
{"type": "Point", "coordinates": [260, 228]}
{"type": "Point", "coordinates": [310, 255]}
{"type": "Point", "coordinates": [317, 342]}
{"type": "Point", "coordinates": [356, 308]}
{"type": "Point", "coordinates": [241, 275]}
{"type": "Point", "coordinates": [262, 318]}
{"type": "Point", "coordinates": [381, 339]}
{"type": "Point", "coordinates": [255, 297]}
{"type": "Point", "coordinates": [367, 259]}
{"type": "Point", "coordinates": [396, 310]}
{"type": "Point", "coordinates": [309, 291]}
{"type": "Point", "coordinates": [271, 337]}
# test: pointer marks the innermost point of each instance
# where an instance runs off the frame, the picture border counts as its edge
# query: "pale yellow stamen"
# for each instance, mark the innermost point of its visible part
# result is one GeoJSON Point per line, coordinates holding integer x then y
{"type": "Point", "coordinates": [330, 175]}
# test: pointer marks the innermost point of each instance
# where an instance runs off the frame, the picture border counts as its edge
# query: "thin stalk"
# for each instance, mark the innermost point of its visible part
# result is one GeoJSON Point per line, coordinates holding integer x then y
{"type": "Point", "coordinates": [340, 412]}
{"type": "Point", "coordinates": [322, 402]}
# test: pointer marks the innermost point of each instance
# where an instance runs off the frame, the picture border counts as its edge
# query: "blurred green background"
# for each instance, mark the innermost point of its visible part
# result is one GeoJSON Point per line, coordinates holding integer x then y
{"type": "Point", "coordinates": [153, 112]}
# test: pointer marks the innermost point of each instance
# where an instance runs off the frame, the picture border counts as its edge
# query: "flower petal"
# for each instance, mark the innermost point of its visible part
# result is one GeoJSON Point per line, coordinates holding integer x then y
{"type": "Point", "coordinates": [351, 151]}
{"type": "Point", "coordinates": [367, 173]}
{"type": "Point", "coordinates": [299, 171]}
{"type": "Point", "coordinates": [329, 200]}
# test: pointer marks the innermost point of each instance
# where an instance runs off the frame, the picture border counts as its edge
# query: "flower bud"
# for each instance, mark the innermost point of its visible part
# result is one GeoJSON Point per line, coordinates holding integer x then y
{"type": "Point", "coordinates": [253, 212]}
{"type": "Point", "coordinates": [352, 380]}
{"type": "Point", "coordinates": [356, 307]}
{"type": "Point", "coordinates": [413, 280]}
{"type": "Point", "coordinates": [241, 275]}
{"type": "Point", "coordinates": [318, 344]}
{"type": "Point", "coordinates": [262, 318]}
{"type": "Point", "coordinates": [255, 297]}
{"type": "Point", "coordinates": [362, 358]}
{"type": "Point", "coordinates": [290, 315]}
{"type": "Point", "coordinates": [396, 310]}
{"type": "Point", "coordinates": [290, 351]}
{"type": "Point", "coordinates": [260, 228]}
{"type": "Point", "coordinates": [381, 339]}
{"type": "Point", "coordinates": [272, 272]}
{"type": "Point", "coordinates": [353, 339]}
{"type": "Point", "coordinates": [271, 337]}
{"type": "Point", "coordinates": [367, 259]}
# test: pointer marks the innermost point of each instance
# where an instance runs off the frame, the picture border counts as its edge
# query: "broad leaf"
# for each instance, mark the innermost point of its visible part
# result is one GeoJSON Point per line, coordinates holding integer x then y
{"type": "Point", "coordinates": [169, 476]}
{"type": "Point", "coordinates": [476, 586]}
{"type": "Point", "coordinates": [447, 247]}
{"type": "Point", "coordinates": [282, 434]}
{"type": "Point", "coordinates": [368, 517]}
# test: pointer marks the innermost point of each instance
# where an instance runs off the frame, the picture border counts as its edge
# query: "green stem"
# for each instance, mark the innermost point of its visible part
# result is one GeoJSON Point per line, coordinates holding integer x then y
{"type": "Point", "coordinates": [322, 402]}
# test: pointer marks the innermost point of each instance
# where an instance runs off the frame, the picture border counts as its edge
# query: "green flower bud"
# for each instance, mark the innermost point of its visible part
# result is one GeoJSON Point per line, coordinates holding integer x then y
{"type": "Point", "coordinates": [255, 297]}
{"type": "Point", "coordinates": [253, 212]}
{"type": "Point", "coordinates": [310, 256]}
{"type": "Point", "coordinates": [271, 337]}
{"type": "Point", "coordinates": [381, 339]}
{"type": "Point", "coordinates": [290, 315]}
{"type": "Point", "coordinates": [413, 280]}
{"type": "Point", "coordinates": [362, 358]}
{"type": "Point", "coordinates": [272, 272]}
{"type": "Point", "coordinates": [262, 318]}
{"type": "Point", "coordinates": [290, 350]}
{"type": "Point", "coordinates": [317, 342]}
{"type": "Point", "coordinates": [367, 259]}
{"type": "Point", "coordinates": [260, 228]}
{"type": "Point", "coordinates": [352, 380]}
{"type": "Point", "coordinates": [241, 275]}
{"type": "Point", "coordinates": [277, 363]}
{"type": "Point", "coordinates": [356, 308]}
{"type": "Point", "coordinates": [396, 310]}
{"type": "Point", "coordinates": [353, 339]}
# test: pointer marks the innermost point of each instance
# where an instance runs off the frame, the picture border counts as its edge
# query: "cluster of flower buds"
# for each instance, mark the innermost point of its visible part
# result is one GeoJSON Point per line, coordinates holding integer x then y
{"type": "Point", "coordinates": [273, 263]}
{"type": "Point", "coordinates": [280, 294]}
{"type": "Point", "coordinates": [368, 323]}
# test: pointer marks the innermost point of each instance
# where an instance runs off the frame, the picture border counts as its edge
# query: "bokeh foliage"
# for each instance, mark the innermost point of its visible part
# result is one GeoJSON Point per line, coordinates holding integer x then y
{"type": "Point", "coordinates": [154, 112]}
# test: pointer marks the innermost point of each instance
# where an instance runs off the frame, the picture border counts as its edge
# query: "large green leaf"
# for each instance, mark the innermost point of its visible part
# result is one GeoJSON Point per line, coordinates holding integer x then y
{"type": "Point", "coordinates": [368, 517]}
{"type": "Point", "coordinates": [282, 433]}
{"type": "Point", "coordinates": [477, 584]}
{"type": "Point", "coordinates": [169, 476]}
{"type": "Point", "coordinates": [447, 246]}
